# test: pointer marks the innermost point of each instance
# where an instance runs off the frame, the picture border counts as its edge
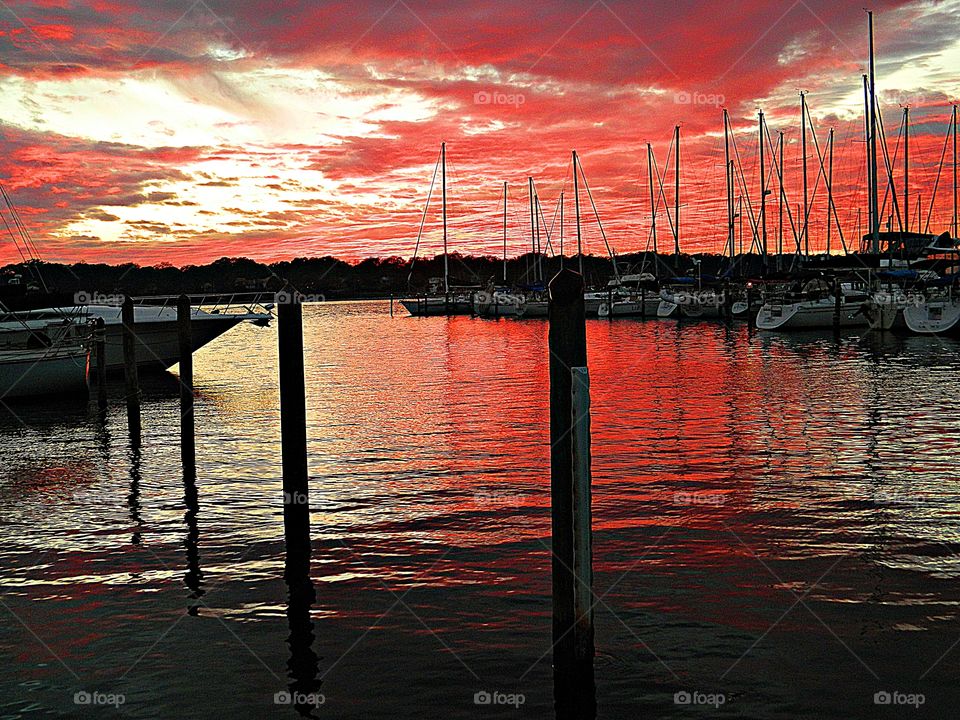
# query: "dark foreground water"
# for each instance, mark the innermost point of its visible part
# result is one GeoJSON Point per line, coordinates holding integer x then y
{"type": "Point", "coordinates": [776, 530]}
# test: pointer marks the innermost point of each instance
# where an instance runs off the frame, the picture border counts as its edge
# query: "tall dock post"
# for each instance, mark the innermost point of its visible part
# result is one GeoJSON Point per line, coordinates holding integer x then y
{"type": "Point", "coordinates": [293, 431]}
{"type": "Point", "coordinates": [100, 357]}
{"type": "Point", "coordinates": [303, 660]}
{"type": "Point", "coordinates": [582, 518]}
{"type": "Point", "coordinates": [574, 690]}
{"type": "Point", "coordinates": [131, 380]}
{"type": "Point", "coordinates": [188, 451]}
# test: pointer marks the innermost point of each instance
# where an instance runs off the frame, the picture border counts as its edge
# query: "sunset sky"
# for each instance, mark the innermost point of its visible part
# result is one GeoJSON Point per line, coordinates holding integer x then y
{"type": "Point", "coordinates": [184, 131]}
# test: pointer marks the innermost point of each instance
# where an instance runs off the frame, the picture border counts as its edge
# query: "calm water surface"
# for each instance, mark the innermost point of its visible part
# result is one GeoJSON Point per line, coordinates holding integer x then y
{"type": "Point", "coordinates": [776, 521]}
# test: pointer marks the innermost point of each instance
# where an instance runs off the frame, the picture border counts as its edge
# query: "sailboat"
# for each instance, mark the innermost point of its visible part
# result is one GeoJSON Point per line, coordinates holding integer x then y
{"type": "Point", "coordinates": [692, 297]}
{"type": "Point", "coordinates": [636, 294]}
{"type": "Point", "coordinates": [818, 303]}
{"type": "Point", "coordinates": [937, 310]}
{"type": "Point", "coordinates": [616, 291]}
{"type": "Point", "coordinates": [499, 301]}
{"type": "Point", "coordinates": [439, 301]}
{"type": "Point", "coordinates": [39, 358]}
{"type": "Point", "coordinates": [535, 301]}
{"type": "Point", "coordinates": [938, 313]}
{"type": "Point", "coordinates": [60, 370]}
{"type": "Point", "coordinates": [933, 308]}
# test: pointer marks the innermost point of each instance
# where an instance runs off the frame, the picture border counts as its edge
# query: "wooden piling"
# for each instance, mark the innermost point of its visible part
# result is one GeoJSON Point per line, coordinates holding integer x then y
{"type": "Point", "coordinates": [100, 357]}
{"type": "Point", "coordinates": [131, 379]}
{"type": "Point", "coordinates": [187, 426]}
{"type": "Point", "coordinates": [568, 349]}
{"type": "Point", "coordinates": [293, 430]}
{"type": "Point", "coordinates": [643, 302]}
{"type": "Point", "coordinates": [302, 665]}
{"type": "Point", "coordinates": [582, 519]}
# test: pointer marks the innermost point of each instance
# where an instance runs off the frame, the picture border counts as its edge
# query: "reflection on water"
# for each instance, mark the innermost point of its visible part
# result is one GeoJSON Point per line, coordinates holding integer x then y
{"type": "Point", "coordinates": [776, 523]}
{"type": "Point", "coordinates": [193, 578]}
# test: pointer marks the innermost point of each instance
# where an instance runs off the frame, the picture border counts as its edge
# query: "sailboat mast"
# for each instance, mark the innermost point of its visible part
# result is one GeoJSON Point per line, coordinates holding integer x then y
{"type": "Point", "coordinates": [866, 145]}
{"type": "Point", "coordinates": [875, 210]}
{"type": "Point", "coordinates": [676, 199]}
{"type": "Point", "coordinates": [780, 209]}
{"type": "Point", "coordinates": [504, 232]}
{"type": "Point", "coordinates": [443, 178]}
{"type": "Point", "coordinates": [906, 169]}
{"type": "Point", "coordinates": [538, 260]}
{"type": "Point", "coordinates": [576, 199]}
{"type": "Point", "coordinates": [763, 199]}
{"type": "Point", "coordinates": [729, 188]}
{"type": "Point", "coordinates": [561, 228]}
{"type": "Point", "coordinates": [830, 191]}
{"type": "Point", "coordinates": [740, 215]}
{"type": "Point", "coordinates": [734, 213]}
{"type": "Point", "coordinates": [956, 231]}
{"type": "Point", "coordinates": [804, 230]}
{"type": "Point", "coordinates": [653, 204]}
{"type": "Point", "coordinates": [533, 231]}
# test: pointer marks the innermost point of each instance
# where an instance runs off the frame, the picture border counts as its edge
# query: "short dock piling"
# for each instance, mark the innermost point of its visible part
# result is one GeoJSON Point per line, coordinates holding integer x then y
{"type": "Point", "coordinates": [100, 357]}
{"type": "Point", "coordinates": [131, 379]}
{"type": "Point", "coordinates": [187, 424]}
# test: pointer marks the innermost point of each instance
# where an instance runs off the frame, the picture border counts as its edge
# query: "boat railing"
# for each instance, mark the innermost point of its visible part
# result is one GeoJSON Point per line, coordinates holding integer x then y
{"type": "Point", "coordinates": [247, 303]}
{"type": "Point", "coordinates": [32, 333]}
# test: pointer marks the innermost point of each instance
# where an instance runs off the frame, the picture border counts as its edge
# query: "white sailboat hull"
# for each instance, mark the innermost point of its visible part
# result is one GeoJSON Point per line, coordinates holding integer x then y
{"type": "Point", "coordinates": [636, 307]}
{"type": "Point", "coordinates": [933, 317]}
{"type": "Point", "coordinates": [48, 371]}
{"type": "Point", "coordinates": [809, 314]}
{"type": "Point", "coordinates": [500, 304]}
{"type": "Point", "coordinates": [535, 308]}
{"type": "Point", "coordinates": [691, 304]}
